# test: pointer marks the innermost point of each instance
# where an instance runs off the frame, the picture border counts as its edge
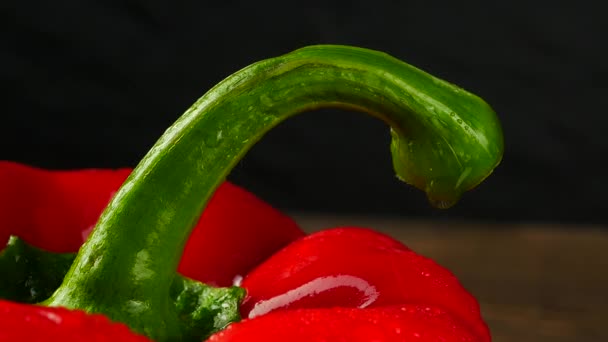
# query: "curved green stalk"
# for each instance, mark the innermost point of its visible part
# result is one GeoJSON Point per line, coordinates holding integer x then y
{"type": "Point", "coordinates": [444, 141]}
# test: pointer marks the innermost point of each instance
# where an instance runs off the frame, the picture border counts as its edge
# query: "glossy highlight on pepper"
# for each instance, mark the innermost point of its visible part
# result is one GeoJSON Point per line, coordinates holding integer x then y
{"type": "Point", "coordinates": [359, 268]}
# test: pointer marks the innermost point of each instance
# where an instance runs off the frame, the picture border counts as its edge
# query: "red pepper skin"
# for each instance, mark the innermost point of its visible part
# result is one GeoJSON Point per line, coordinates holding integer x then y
{"type": "Point", "coordinates": [32, 323]}
{"type": "Point", "coordinates": [407, 322]}
{"type": "Point", "coordinates": [357, 268]}
{"type": "Point", "coordinates": [238, 229]}
{"type": "Point", "coordinates": [56, 210]}
{"type": "Point", "coordinates": [362, 272]}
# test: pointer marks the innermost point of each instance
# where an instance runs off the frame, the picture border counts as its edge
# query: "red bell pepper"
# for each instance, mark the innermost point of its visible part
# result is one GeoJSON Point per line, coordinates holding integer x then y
{"type": "Point", "coordinates": [334, 268]}
{"type": "Point", "coordinates": [407, 322]}
{"type": "Point", "coordinates": [339, 284]}
{"type": "Point", "coordinates": [21, 322]}
{"type": "Point", "coordinates": [356, 268]}
{"type": "Point", "coordinates": [56, 211]}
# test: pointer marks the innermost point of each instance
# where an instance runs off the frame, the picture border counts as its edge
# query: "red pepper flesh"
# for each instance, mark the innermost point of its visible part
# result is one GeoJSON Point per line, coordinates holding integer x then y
{"type": "Point", "coordinates": [408, 322]}
{"type": "Point", "coordinates": [349, 267]}
{"type": "Point", "coordinates": [357, 268]}
{"type": "Point", "coordinates": [33, 323]}
{"type": "Point", "coordinates": [239, 229]}
{"type": "Point", "coordinates": [56, 210]}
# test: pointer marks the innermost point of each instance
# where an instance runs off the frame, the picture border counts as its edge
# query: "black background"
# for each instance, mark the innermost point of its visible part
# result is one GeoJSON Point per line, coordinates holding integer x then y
{"type": "Point", "coordinates": [95, 83]}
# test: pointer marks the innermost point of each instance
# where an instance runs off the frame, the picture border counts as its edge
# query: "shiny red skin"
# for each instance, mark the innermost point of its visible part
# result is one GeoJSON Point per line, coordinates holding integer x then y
{"type": "Point", "coordinates": [236, 232]}
{"type": "Point", "coordinates": [408, 322]}
{"type": "Point", "coordinates": [32, 323]}
{"type": "Point", "coordinates": [56, 210]}
{"type": "Point", "coordinates": [356, 268]}
{"type": "Point", "coordinates": [349, 284]}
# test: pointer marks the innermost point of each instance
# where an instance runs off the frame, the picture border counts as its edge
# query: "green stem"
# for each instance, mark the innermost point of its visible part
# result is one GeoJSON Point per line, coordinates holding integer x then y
{"type": "Point", "coordinates": [444, 141]}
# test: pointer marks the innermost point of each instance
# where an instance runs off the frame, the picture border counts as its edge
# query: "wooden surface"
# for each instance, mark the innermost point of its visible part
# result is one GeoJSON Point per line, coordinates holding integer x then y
{"type": "Point", "coordinates": [535, 283]}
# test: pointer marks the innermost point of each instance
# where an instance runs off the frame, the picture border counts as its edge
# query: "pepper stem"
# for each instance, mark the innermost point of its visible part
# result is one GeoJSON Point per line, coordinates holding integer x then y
{"type": "Point", "coordinates": [444, 141]}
